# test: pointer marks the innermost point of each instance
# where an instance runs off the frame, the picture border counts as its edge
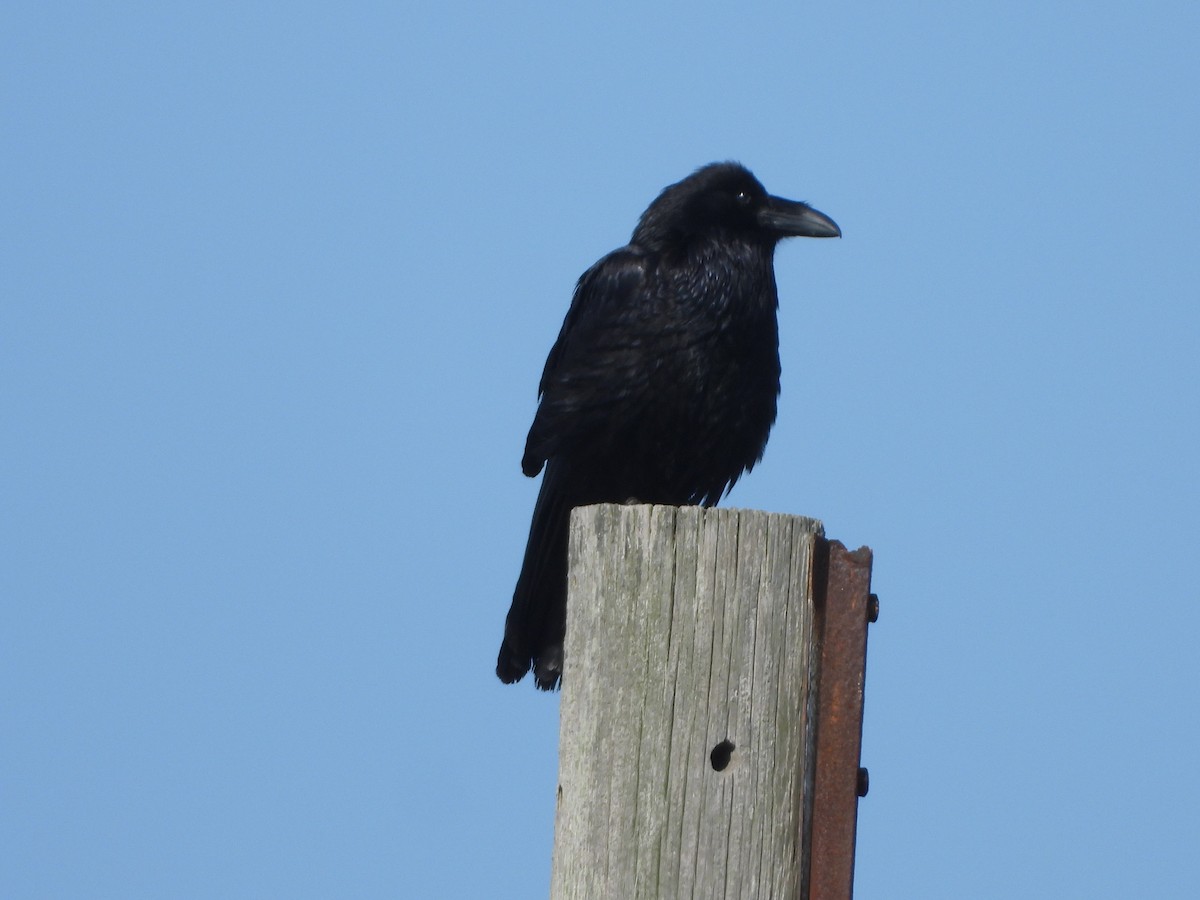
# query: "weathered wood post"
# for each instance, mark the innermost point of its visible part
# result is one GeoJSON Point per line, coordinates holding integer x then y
{"type": "Point", "coordinates": [687, 751]}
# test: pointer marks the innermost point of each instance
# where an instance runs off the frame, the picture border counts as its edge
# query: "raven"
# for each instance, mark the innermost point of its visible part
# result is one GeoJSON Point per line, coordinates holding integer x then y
{"type": "Point", "coordinates": [662, 384]}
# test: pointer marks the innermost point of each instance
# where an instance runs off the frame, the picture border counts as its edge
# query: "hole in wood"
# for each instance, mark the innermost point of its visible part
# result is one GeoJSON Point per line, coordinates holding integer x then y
{"type": "Point", "coordinates": [721, 755]}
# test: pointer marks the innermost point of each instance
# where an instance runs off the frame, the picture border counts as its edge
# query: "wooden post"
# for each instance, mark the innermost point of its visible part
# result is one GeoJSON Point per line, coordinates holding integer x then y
{"type": "Point", "coordinates": [687, 743]}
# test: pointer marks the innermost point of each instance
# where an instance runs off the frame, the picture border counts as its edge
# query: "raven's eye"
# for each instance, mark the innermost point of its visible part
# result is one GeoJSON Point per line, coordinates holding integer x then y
{"type": "Point", "coordinates": [744, 198]}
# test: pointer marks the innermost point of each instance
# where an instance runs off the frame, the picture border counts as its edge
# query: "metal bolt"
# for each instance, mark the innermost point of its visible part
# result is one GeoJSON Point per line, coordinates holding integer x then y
{"type": "Point", "coordinates": [873, 608]}
{"type": "Point", "coordinates": [864, 781]}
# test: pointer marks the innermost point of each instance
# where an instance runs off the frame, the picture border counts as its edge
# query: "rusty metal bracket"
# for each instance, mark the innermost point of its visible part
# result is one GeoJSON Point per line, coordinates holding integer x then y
{"type": "Point", "coordinates": [844, 607]}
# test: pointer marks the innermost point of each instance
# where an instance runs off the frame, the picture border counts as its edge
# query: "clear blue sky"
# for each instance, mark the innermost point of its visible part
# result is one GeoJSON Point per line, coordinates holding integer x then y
{"type": "Point", "coordinates": [276, 286]}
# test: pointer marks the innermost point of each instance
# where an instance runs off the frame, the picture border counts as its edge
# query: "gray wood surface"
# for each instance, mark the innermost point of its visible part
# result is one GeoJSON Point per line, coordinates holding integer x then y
{"type": "Point", "coordinates": [686, 627]}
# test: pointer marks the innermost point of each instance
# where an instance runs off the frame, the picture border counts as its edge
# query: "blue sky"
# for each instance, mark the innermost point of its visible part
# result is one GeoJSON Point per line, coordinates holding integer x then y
{"type": "Point", "coordinates": [278, 281]}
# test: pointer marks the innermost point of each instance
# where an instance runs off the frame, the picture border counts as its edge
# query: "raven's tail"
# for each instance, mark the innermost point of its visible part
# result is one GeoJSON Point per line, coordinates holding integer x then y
{"type": "Point", "coordinates": [536, 624]}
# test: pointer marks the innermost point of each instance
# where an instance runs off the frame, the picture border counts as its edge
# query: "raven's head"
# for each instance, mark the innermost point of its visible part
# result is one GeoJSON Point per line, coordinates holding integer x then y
{"type": "Point", "coordinates": [724, 200]}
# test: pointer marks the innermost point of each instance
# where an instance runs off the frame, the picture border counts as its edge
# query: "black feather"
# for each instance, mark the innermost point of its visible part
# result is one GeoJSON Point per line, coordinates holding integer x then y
{"type": "Point", "coordinates": [662, 384]}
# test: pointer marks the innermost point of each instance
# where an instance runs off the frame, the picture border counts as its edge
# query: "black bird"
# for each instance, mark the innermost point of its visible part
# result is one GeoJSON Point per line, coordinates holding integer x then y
{"type": "Point", "coordinates": [661, 386]}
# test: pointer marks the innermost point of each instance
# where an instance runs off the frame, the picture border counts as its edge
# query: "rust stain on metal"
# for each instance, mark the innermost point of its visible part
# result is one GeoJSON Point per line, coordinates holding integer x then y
{"type": "Point", "coordinates": [844, 606]}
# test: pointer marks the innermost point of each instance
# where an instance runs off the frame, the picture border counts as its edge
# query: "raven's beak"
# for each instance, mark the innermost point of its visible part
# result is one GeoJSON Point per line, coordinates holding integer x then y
{"type": "Point", "coordinates": [788, 218]}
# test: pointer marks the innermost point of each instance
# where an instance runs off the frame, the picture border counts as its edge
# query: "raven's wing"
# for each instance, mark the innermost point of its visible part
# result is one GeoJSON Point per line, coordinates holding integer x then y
{"type": "Point", "coordinates": [599, 360]}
